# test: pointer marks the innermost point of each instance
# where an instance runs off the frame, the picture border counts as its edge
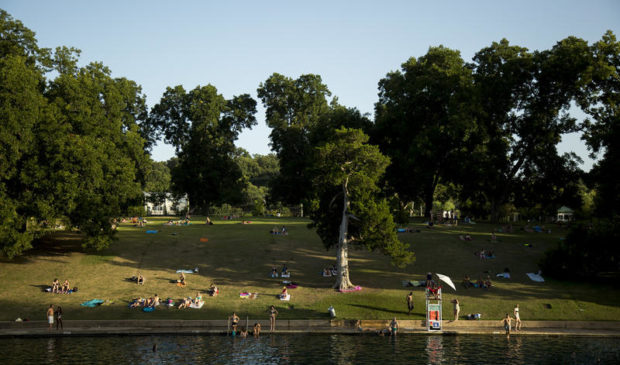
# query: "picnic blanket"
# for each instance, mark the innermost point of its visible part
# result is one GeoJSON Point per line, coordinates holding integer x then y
{"type": "Point", "coordinates": [185, 271]}
{"type": "Point", "coordinates": [357, 288]}
{"type": "Point", "coordinates": [535, 277]}
{"type": "Point", "coordinates": [197, 306]}
{"type": "Point", "coordinates": [285, 297]}
{"type": "Point", "coordinates": [92, 303]}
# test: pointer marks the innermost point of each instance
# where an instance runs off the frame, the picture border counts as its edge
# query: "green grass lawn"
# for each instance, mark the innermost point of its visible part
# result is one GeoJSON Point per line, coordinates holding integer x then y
{"type": "Point", "coordinates": [239, 258]}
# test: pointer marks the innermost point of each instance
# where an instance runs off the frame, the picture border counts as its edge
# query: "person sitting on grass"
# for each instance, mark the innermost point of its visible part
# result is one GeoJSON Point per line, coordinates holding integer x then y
{"type": "Point", "coordinates": [140, 279]}
{"type": "Point", "coordinates": [156, 300]}
{"type": "Point", "coordinates": [198, 299]}
{"type": "Point", "coordinates": [326, 272]}
{"type": "Point", "coordinates": [467, 282]}
{"type": "Point", "coordinates": [185, 303]}
{"type": "Point", "coordinates": [65, 286]}
{"type": "Point", "coordinates": [181, 282]}
{"type": "Point", "coordinates": [213, 290]}
{"type": "Point", "coordinates": [55, 286]}
{"type": "Point", "coordinates": [274, 272]}
{"type": "Point", "coordinates": [487, 282]}
{"type": "Point", "coordinates": [284, 293]}
{"type": "Point", "coordinates": [138, 302]}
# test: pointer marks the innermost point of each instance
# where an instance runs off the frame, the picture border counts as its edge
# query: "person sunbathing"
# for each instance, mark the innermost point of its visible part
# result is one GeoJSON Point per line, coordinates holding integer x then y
{"type": "Point", "coordinates": [274, 272]}
{"type": "Point", "coordinates": [138, 302]}
{"type": "Point", "coordinates": [326, 272]}
{"type": "Point", "coordinates": [55, 286]}
{"type": "Point", "coordinates": [140, 279]}
{"type": "Point", "coordinates": [181, 281]}
{"type": "Point", "coordinates": [148, 302]}
{"type": "Point", "coordinates": [155, 300]}
{"type": "Point", "coordinates": [185, 303]}
{"type": "Point", "coordinates": [467, 282]}
{"type": "Point", "coordinates": [65, 287]}
{"type": "Point", "coordinates": [284, 294]}
{"type": "Point", "coordinates": [213, 290]}
{"type": "Point", "coordinates": [198, 299]}
{"type": "Point", "coordinates": [487, 282]}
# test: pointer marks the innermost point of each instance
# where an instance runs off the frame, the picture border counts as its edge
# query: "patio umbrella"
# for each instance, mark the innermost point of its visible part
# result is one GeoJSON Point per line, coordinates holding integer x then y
{"type": "Point", "coordinates": [446, 280]}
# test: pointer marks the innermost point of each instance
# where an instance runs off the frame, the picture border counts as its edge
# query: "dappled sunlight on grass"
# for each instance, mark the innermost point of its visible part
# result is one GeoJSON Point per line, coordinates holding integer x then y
{"type": "Point", "coordinates": [239, 258]}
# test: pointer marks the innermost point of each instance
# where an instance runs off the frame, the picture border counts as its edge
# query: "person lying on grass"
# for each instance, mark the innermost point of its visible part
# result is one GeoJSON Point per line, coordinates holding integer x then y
{"type": "Point", "coordinates": [138, 302]}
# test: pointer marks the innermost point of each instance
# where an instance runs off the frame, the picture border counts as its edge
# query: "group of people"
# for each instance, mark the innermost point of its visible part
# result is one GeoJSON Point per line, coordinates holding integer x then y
{"type": "Point", "coordinates": [330, 271]}
{"type": "Point", "coordinates": [65, 288]}
{"type": "Point", "coordinates": [507, 321]}
{"type": "Point", "coordinates": [54, 315]}
{"type": "Point", "coordinates": [151, 302]}
{"type": "Point", "coordinates": [234, 323]}
{"type": "Point", "coordinates": [189, 302]}
{"type": "Point", "coordinates": [484, 284]}
{"type": "Point", "coordinates": [484, 254]}
{"type": "Point", "coordinates": [184, 222]}
{"type": "Point", "coordinates": [282, 231]}
{"type": "Point", "coordinates": [283, 272]}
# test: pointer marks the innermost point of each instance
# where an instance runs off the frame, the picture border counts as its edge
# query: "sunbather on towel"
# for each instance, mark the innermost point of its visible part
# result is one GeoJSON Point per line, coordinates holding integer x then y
{"type": "Point", "coordinates": [65, 287]}
{"type": "Point", "coordinates": [181, 281]}
{"type": "Point", "coordinates": [185, 303]}
{"type": "Point", "coordinates": [55, 286]}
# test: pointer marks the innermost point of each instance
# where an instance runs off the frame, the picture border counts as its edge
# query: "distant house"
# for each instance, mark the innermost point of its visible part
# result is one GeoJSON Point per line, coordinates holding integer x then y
{"type": "Point", "coordinates": [565, 214]}
{"type": "Point", "coordinates": [166, 206]}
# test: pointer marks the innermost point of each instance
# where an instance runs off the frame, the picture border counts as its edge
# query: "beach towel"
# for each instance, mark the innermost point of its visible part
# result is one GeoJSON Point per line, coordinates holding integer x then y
{"type": "Point", "coordinates": [153, 231]}
{"type": "Point", "coordinates": [204, 239]}
{"type": "Point", "coordinates": [505, 275]}
{"type": "Point", "coordinates": [286, 297]}
{"type": "Point", "coordinates": [197, 306]}
{"type": "Point", "coordinates": [401, 230]}
{"type": "Point", "coordinates": [148, 309]}
{"type": "Point", "coordinates": [92, 303]}
{"type": "Point", "coordinates": [357, 288]}
{"type": "Point", "coordinates": [185, 271]}
{"type": "Point", "coordinates": [292, 286]}
{"type": "Point", "coordinates": [286, 275]}
{"type": "Point", "coordinates": [535, 277]}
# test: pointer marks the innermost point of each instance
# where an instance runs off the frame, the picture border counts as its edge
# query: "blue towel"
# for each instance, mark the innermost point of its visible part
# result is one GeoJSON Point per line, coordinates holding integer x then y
{"type": "Point", "coordinates": [151, 231]}
{"type": "Point", "coordinates": [92, 303]}
{"type": "Point", "coordinates": [148, 309]}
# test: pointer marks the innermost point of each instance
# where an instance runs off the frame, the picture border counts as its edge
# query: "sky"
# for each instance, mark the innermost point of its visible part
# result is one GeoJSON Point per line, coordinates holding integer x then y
{"type": "Point", "coordinates": [236, 45]}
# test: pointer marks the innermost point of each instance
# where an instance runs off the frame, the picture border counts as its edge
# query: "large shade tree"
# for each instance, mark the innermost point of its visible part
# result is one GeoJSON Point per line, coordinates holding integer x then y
{"type": "Point", "coordinates": [203, 126]}
{"type": "Point", "coordinates": [293, 110]}
{"type": "Point", "coordinates": [71, 147]}
{"type": "Point", "coordinates": [423, 122]}
{"type": "Point", "coordinates": [347, 208]}
{"type": "Point", "coordinates": [522, 101]}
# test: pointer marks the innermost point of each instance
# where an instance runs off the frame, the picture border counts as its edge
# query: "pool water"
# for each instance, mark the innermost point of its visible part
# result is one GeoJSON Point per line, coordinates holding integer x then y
{"type": "Point", "coordinates": [311, 349]}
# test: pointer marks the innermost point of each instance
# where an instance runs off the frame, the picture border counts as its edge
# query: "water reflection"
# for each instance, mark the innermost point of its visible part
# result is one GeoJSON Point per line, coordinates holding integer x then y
{"type": "Point", "coordinates": [312, 349]}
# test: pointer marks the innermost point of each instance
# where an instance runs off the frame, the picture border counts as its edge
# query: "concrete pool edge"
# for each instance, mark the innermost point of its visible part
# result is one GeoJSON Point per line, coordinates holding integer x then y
{"type": "Point", "coordinates": [214, 327]}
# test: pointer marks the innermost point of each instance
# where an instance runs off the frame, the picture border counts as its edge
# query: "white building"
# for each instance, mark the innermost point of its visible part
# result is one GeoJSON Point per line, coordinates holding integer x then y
{"type": "Point", "coordinates": [565, 214]}
{"type": "Point", "coordinates": [169, 206]}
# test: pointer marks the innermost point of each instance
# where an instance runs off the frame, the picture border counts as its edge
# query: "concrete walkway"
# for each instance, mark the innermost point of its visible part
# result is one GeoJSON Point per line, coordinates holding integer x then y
{"type": "Point", "coordinates": [193, 327]}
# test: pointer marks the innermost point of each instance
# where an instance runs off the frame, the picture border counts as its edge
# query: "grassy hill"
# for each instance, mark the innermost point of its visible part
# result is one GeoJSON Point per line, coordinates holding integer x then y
{"type": "Point", "coordinates": [238, 257]}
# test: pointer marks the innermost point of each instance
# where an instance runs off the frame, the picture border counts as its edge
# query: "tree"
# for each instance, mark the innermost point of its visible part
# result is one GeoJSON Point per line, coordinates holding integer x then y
{"type": "Point", "coordinates": [293, 109]}
{"type": "Point", "coordinates": [423, 122]}
{"type": "Point", "coordinates": [202, 126]}
{"type": "Point", "coordinates": [600, 99]}
{"type": "Point", "coordinates": [522, 101]}
{"type": "Point", "coordinates": [69, 147]}
{"type": "Point", "coordinates": [346, 173]}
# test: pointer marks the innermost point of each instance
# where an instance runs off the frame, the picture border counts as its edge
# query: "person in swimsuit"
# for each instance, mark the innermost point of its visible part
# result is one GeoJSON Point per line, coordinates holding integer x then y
{"type": "Point", "coordinates": [457, 309]}
{"type": "Point", "coordinates": [65, 287]}
{"type": "Point", "coordinates": [394, 327]}
{"type": "Point", "coordinates": [140, 279]}
{"type": "Point", "coordinates": [55, 286]}
{"type": "Point", "coordinates": [256, 329]}
{"type": "Point", "coordinates": [507, 322]}
{"type": "Point", "coordinates": [410, 302]}
{"type": "Point", "coordinates": [517, 318]}
{"type": "Point", "coordinates": [50, 316]}
{"type": "Point", "coordinates": [59, 318]}
{"type": "Point", "coordinates": [235, 321]}
{"type": "Point", "coordinates": [273, 313]}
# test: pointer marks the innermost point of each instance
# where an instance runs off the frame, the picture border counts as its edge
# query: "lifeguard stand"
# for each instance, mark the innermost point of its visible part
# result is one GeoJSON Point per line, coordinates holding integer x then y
{"type": "Point", "coordinates": [433, 309]}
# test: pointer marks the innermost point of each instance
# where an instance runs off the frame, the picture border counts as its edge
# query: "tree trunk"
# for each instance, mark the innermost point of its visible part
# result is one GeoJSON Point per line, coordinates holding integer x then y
{"type": "Point", "coordinates": [342, 256]}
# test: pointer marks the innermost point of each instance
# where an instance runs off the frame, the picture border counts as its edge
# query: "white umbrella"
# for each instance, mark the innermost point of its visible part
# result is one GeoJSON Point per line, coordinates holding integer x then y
{"type": "Point", "coordinates": [446, 280]}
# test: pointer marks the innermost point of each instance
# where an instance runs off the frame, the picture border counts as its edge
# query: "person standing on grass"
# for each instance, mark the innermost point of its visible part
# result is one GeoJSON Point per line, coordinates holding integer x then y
{"type": "Point", "coordinates": [273, 313]}
{"type": "Point", "coordinates": [410, 302]}
{"type": "Point", "coordinates": [517, 318]}
{"type": "Point", "coordinates": [50, 316]}
{"type": "Point", "coordinates": [58, 314]}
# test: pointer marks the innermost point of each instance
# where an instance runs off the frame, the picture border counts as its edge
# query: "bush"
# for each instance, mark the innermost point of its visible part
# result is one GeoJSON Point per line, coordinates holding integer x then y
{"type": "Point", "coordinates": [588, 252]}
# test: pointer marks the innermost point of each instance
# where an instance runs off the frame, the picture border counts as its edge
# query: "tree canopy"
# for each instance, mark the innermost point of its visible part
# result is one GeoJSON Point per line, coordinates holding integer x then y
{"type": "Point", "coordinates": [203, 126]}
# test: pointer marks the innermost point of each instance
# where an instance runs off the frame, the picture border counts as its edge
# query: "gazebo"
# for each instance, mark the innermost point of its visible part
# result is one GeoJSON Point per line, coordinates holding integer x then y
{"type": "Point", "coordinates": [565, 214]}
